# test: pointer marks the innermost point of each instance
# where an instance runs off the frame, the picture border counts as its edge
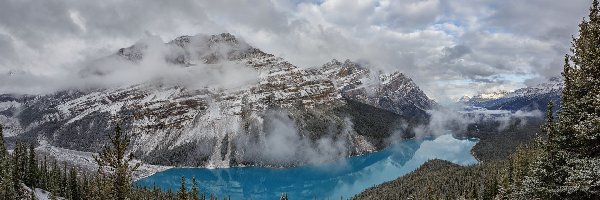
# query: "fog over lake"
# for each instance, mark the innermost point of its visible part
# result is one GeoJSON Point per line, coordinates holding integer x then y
{"type": "Point", "coordinates": [343, 178]}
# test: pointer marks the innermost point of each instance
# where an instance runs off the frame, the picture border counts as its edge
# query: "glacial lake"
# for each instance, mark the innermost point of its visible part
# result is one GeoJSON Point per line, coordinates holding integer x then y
{"type": "Point", "coordinates": [344, 178]}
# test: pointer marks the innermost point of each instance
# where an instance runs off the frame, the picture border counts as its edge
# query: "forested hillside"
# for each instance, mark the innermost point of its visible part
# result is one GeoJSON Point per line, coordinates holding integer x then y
{"type": "Point", "coordinates": [563, 162]}
{"type": "Point", "coordinates": [23, 175]}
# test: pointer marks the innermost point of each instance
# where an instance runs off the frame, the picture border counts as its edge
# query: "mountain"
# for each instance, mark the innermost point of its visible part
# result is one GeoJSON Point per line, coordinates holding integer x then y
{"type": "Point", "coordinates": [528, 98]}
{"type": "Point", "coordinates": [285, 116]}
{"type": "Point", "coordinates": [486, 97]}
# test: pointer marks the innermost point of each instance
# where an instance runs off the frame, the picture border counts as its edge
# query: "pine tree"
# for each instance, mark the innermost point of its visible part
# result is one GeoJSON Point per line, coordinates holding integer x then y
{"type": "Point", "coordinates": [100, 187]}
{"type": "Point", "coordinates": [283, 196]}
{"type": "Point", "coordinates": [182, 194]}
{"type": "Point", "coordinates": [540, 181]}
{"type": "Point", "coordinates": [195, 190]}
{"type": "Point", "coordinates": [43, 174]}
{"type": "Point", "coordinates": [18, 169]}
{"type": "Point", "coordinates": [578, 137]}
{"type": "Point", "coordinates": [7, 190]}
{"type": "Point", "coordinates": [73, 185]}
{"type": "Point", "coordinates": [3, 152]}
{"type": "Point", "coordinates": [32, 168]}
{"type": "Point", "coordinates": [117, 162]}
{"type": "Point", "coordinates": [85, 187]}
{"type": "Point", "coordinates": [54, 180]}
{"type": "Point", "coordinates": [580, 114]}
{"type": "Point", "coordinates": [64, 182]}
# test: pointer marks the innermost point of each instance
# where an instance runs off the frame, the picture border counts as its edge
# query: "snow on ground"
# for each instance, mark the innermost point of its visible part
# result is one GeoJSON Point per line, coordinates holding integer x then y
{"type": "Point", "coordinates": [86, 160]}
{"type": "Point", "coordinates": [37, 193]}
{"type": "Point", "coordinates": [42, 194]}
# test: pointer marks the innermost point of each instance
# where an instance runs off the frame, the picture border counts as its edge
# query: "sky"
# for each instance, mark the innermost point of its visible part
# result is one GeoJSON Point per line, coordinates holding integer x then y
{"type": "Point", "coordinates": [450, 48]}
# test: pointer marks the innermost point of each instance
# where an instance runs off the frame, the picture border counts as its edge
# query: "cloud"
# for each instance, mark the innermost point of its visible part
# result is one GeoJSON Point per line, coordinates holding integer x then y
{"type": "Point", "coordinates": [455, 120]}
{"type": "Point", "coordinates": [448, 47]}
{"type": "Point", "coordinates": [283, 145]}
{"type": "Point", "coordinates": [154, 67]}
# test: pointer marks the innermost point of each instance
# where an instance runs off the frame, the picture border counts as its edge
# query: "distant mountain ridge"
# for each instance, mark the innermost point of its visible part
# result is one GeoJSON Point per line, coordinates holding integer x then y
{"type": "Point", "coordinates": [338, 103]}
{"type": "Point", "coordinates": [528, 98]}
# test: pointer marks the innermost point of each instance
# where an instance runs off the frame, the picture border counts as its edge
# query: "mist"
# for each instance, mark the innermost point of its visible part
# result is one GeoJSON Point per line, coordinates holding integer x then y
{"type": "Point", "coordinates": [283, 145]}
{"type": "Point", "coordinates": [456, 120]}
{"type": "Point", "coordinates": [154, 67]}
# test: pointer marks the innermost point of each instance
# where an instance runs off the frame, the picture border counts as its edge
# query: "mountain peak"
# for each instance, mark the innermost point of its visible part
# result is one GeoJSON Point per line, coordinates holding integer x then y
{"type": "Point", "coordinates": [493, 95]}
{"type": "Point", "coordinates": [528, 98]}
{"type": "Point", "coordinates": [188, 50]}
{"type": "Point", "coordinates": [464, 99]}
{"type": "Point", "coordinates": [210, 119]}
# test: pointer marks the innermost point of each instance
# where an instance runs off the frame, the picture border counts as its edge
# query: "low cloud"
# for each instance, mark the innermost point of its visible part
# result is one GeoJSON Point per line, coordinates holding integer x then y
{"type": "Point", "coordinates": [283, 145]}
{"type": "Point", "coordinates": [153, 68]}
{"type": "Point", "coordinates": [455, 120]}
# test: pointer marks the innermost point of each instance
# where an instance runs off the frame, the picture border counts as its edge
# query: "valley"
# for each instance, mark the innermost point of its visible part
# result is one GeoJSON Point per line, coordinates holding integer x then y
{"type": "Point", "coordinates": [298, 119]}
{"type": "Point", "coordinates": [328, 99]}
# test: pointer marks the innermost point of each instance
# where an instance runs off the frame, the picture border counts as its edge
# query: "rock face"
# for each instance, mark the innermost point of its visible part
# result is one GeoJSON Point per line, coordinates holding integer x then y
{"type": "Point", "coordinates": [529, 98]}
{"type": "Point", "coordinates": [303, 115]}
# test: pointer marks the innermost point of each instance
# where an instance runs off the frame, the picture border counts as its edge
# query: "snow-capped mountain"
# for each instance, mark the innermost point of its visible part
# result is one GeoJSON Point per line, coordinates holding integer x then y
{"type": "Point", "coordinates": [489, 96]}
{"type": "Point", "coordinates": [528, 98]}
{"type": "Point", "coordinates": [339, 109]}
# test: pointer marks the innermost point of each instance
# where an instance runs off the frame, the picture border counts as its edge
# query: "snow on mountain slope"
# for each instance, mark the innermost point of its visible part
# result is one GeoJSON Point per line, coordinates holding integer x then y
{"type": "Point", "coordinates": [529, 98]}
{"type": "Point", "coordinates": [394, 92]}
{"type": "Point", "coordinates": [216, 124]}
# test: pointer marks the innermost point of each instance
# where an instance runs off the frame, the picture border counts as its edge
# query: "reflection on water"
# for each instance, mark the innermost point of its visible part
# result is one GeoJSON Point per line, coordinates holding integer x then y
{"type": "Point", "coordinates": [344, 178]}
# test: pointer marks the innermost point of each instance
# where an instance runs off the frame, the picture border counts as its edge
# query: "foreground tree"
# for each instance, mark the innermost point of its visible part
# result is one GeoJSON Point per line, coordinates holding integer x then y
{"type": "Point", "coordinates": [6, 180]}
{"type": "Point", "coordinates": [567, 165]}
{"type": "Point", "coordinates": [195, 193]}
{"type": "Point", "coordinates": [182, 194]}
{"type": "Point", "coordinates": [3, 152]}
{"type": "Point", "coordinates": [31, 174]}
{"type": "Point", "coordinates": [114, 164]}
{"type": "Point", "coordinates": [579, 121]}
{"type": "Point", "coordinates": [74, 190]}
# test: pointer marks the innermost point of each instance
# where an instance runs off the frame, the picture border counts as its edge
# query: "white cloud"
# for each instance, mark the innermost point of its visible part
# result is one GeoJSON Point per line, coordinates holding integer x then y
{"type": "Point", "coordinates": [514, 38]}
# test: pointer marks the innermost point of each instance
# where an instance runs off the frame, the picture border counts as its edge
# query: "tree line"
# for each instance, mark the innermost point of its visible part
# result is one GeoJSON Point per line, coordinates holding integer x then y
{"type": "Point", "coordinates": [22, 171]}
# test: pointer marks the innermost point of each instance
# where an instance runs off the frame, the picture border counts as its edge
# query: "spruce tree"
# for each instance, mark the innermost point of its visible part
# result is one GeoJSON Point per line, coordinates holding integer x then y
{"type": "Point", "coordinates": [7, 190]}
{"type": "Point", "coordinates": [115, 158]}
{"type": "Point", "coordinates": [195, 190]}
{"type": "Point", "coordinates": [182, 193]}
{"type": "Point", "coordinates": [574, 145]}
{"type": "Point", "coordinates": [18, 168]}
{"type": "Point", "coordinates": [43, 174]}
{"type": "Point", "coordinates": [283, 196]}
{"type": "Point", "coordinates": [54, 182]}
{"type": "Point", "coordinates": [73, 185]}
{"type": "Point", "coordinates": [3, 152]}
{"type": "Point", "coordinates": [582, 82]}
{"type": "Point", "coordinates": [64, 185]}
{"type": "Point", "coordinates": [32, 168]}
{"type": "Point", "coordinates": [84, 187]}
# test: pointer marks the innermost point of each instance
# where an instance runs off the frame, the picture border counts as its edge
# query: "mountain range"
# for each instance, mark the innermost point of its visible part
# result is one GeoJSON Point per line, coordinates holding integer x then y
{"type": "Point", "coordinates": [528, 98]}
{"type": "Point", "coordinates": [283, 116]}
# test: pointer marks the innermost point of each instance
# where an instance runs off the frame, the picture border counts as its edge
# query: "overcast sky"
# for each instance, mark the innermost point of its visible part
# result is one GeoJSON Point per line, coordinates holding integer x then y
{"type": "Point", "coordinates": [449, 47]}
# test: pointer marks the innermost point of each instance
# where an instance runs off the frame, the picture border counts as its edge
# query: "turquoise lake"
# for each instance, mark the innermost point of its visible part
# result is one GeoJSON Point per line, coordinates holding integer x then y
{"type": "Point", "coordinates": [344, 178]}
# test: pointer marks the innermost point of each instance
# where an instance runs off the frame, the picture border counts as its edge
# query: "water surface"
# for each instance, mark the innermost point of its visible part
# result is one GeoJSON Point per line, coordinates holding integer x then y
{"type": "Point", "coordinates": [344, 178]}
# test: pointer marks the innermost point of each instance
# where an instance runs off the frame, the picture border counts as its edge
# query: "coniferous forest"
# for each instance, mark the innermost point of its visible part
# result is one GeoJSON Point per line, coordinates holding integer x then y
{"type": "Point", "coordinates": [562, 162]}
{"type": "Point", "coordinates": [558, 158]}
{"type": "Point", "coordinates": [23, 174]}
